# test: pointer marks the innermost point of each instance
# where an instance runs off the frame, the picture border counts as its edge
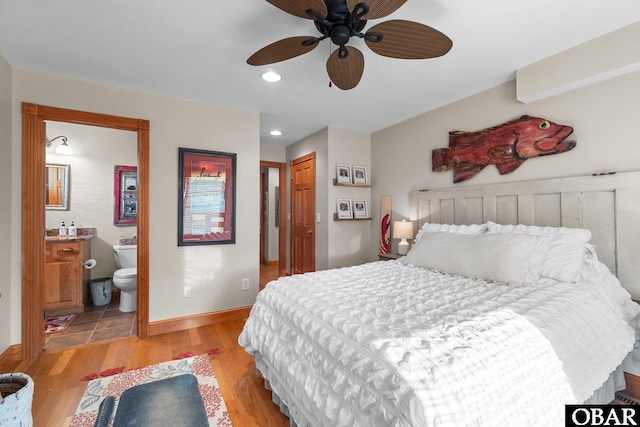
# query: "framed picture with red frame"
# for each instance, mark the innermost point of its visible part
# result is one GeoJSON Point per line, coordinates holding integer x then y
{"type": "Point", "coordinates": [125, 195]}
{"type": "Point", "coordinates": [206, 198]}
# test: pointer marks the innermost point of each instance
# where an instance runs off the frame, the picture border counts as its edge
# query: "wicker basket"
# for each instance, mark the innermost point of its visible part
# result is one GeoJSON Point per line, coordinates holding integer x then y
{"type": "Point", "coordinates": [17, 394]}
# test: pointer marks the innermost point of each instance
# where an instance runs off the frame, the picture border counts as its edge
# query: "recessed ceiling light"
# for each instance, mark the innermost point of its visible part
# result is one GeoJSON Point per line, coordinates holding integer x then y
{"type": "Point", "coordinates": [276, 133]}
{"type": "Point", "coordinates": [271, 76]}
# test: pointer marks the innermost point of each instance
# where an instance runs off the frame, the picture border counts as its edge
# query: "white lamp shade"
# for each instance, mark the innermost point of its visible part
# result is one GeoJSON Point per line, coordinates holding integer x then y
{"type": "Point", "coordinates": [402, 229]}
{"type": "Point", "coordinates": [64, 149]}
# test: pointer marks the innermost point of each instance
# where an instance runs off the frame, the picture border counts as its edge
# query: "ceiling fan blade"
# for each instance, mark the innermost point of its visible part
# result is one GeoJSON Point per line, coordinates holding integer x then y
{"type": "Point", "coordinates": [299, 7]}
{"type": "Point", "coordinates": [409, 40]}
{"type": "Point", "coordinates": [346, 72]}
{"type": "Point", "coordinates": [377, 8]}
{"type": "Point", "coordinates": [282, 50]}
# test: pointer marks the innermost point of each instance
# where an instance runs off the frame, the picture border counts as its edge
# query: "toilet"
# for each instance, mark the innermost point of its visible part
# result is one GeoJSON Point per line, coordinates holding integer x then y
{"type": "Point", "coordinates": [126, 277]}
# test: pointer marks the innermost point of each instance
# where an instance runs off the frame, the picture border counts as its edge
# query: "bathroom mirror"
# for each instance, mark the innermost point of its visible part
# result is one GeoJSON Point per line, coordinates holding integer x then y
{"type": "Point", "coordinates": [125, 194]}
{"type": "Point", "coordinates": [57, 187]}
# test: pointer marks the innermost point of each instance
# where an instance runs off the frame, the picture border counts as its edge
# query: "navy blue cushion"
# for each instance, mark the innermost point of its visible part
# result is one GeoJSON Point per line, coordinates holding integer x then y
{"type": "Point", "coordinates": [104, 412]}
{"type": "Point", "coordinates": [174, 402]}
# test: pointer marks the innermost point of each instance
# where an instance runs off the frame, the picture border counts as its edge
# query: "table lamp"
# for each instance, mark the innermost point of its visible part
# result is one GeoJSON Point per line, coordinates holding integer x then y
{"type": "Point", "coordinates": [403, 230]}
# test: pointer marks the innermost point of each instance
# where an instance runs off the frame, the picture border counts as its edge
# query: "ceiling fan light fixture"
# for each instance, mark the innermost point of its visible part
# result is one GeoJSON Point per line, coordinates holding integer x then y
{"type": "Point", "coordinates": [271, 76]}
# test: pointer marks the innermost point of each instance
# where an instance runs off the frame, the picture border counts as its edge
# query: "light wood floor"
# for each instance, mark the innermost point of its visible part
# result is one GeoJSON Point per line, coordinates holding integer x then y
{"type": "Point", "coordinates": [58, 389]}
{"type": "Point", "coordinates": [268, 273]}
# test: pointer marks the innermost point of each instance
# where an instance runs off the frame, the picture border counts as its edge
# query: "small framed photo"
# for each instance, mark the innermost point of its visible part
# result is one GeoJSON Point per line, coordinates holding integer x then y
{"type": "Point", "coordinates": [344, 209]}
{"type": "Point", "coordinates": [360, 209]}
{"type": "Point", "coordinates": [359, 175]}
{"type": "Point", "coordinates": [343, 173]}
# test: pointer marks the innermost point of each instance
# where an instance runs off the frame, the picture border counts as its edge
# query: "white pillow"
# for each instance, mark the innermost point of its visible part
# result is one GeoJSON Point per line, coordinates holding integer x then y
{"type": "Point", "coordinates": [560, 252]}
{"type": "Point", "coordinates": [501, 258]}
{"type": "Point", "coordinates": [473, 229]}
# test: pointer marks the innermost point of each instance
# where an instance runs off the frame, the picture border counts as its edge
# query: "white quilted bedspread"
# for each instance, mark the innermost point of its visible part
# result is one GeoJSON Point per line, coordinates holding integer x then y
{"type": "Point", "coordinates": [384, 344]}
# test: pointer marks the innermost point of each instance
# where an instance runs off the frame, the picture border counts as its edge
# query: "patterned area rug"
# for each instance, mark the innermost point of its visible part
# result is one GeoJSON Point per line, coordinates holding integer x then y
{"type": "Point", "coordinates": [115, 385]}
{"type": "Point", "coordinates": [57, 323]}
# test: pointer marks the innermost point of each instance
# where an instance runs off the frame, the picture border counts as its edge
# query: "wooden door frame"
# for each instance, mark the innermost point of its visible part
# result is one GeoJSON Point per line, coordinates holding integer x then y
{"type": "Point", "coordinates": [282, 223]}
{"type": "Point", "coordinates": [33, 214]}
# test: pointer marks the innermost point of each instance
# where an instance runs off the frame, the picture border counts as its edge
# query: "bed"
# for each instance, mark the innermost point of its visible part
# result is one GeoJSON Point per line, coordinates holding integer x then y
{"type": "Point", "coordinates": [503, 311]}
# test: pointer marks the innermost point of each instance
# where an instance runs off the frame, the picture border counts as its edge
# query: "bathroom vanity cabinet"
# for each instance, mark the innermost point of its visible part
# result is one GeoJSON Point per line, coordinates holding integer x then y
{"type": "Point", "coordinates": [66, 281]}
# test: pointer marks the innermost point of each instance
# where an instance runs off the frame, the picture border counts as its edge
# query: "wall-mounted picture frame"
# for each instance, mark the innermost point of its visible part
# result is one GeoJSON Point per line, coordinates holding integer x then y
{"type": "Point", "coordinates": [125, 195]}
{"type": "Point", "coordinates": [360, 208]}
{"type": "Point", "coordinates": [360, 175]}
{"type": "Point", "coordinates": [343, 174]}
{"type": "Point", "coordinates": [206, 197]}
{"type": "Point", "coordinates": [344, 209]}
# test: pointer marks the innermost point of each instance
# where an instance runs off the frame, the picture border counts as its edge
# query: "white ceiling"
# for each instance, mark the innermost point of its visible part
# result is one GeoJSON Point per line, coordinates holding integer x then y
{"type": "Point", "coordinates": [197, 49]}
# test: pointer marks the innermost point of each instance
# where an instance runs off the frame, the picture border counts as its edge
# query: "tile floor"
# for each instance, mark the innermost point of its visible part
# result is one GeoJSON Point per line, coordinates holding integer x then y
{"type": "Point", "coordinates": [95, 324]}
{"type": "Point", "coordinates": [107, 322]}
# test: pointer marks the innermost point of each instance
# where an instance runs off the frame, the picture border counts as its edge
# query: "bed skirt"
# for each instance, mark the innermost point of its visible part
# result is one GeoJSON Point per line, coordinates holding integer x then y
{"type": "Point", "coordinates": [607, 392]}
{"type": "Point", "coordinates": [604, 395]}
{"type": "Point", "coordinates": [283, 408]}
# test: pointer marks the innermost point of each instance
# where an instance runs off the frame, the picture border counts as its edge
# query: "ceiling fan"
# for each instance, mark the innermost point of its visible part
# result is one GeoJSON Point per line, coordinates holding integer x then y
{"type": "Point", "coordinates": [339, 20]}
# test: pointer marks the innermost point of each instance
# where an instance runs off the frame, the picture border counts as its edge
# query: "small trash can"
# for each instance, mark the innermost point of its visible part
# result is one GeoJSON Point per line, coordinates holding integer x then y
{"type": "Point", "coordinates": [101, 290]}
{"type": "Point", "coordinates": [17, 396]}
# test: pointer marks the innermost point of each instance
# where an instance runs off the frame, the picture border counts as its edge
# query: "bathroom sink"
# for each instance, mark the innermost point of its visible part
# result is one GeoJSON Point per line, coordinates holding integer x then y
{"type": "Point", "coordinates": [84, 233]}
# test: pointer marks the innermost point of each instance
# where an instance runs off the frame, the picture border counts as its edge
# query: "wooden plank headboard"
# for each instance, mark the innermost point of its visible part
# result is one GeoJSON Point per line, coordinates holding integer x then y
{"type": "Point", "coordinates": [608, 205]}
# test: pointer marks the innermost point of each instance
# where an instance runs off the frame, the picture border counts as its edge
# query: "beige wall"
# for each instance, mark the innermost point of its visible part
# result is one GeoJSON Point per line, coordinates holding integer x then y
{"type": "Point", "coordinates": [214, 272]}
{"type": "Point", "coordinates": [603, 116]}
{"type": "Point", "coordinates": [8, 260]}
{"type": "Point", "coordinates": [273, 153]}
{"type": "Point", "coordinates": [613, 54]}
{"type": "Point", "coordinates": [349, 241]}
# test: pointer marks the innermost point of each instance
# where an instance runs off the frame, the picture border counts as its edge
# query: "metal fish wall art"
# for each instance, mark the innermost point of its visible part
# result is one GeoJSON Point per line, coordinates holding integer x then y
{"type": "Point", "coordinates": [507, 146]}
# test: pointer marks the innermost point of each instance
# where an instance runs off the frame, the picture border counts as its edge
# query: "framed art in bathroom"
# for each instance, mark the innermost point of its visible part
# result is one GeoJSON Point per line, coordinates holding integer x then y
{"type": "Point", "coordinates": [57, 187]}
{"type": "Point", "coordinates": [206, 197]}
{"type": "Point", "coordinates": [125, 194]}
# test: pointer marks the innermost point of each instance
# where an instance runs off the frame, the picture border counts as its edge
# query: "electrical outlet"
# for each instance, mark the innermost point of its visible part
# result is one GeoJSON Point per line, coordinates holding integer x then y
{"type": "Point", "coordinates": [245, 284]}
{"type": "Point", "coordinates": [187, 291]}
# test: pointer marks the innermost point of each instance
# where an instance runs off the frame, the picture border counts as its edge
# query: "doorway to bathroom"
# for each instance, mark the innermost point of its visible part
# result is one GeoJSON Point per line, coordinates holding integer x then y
{"type": "Point", "coordinates": [33, 214]}
{"type": "Point", "coordinates": [100, 189]}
